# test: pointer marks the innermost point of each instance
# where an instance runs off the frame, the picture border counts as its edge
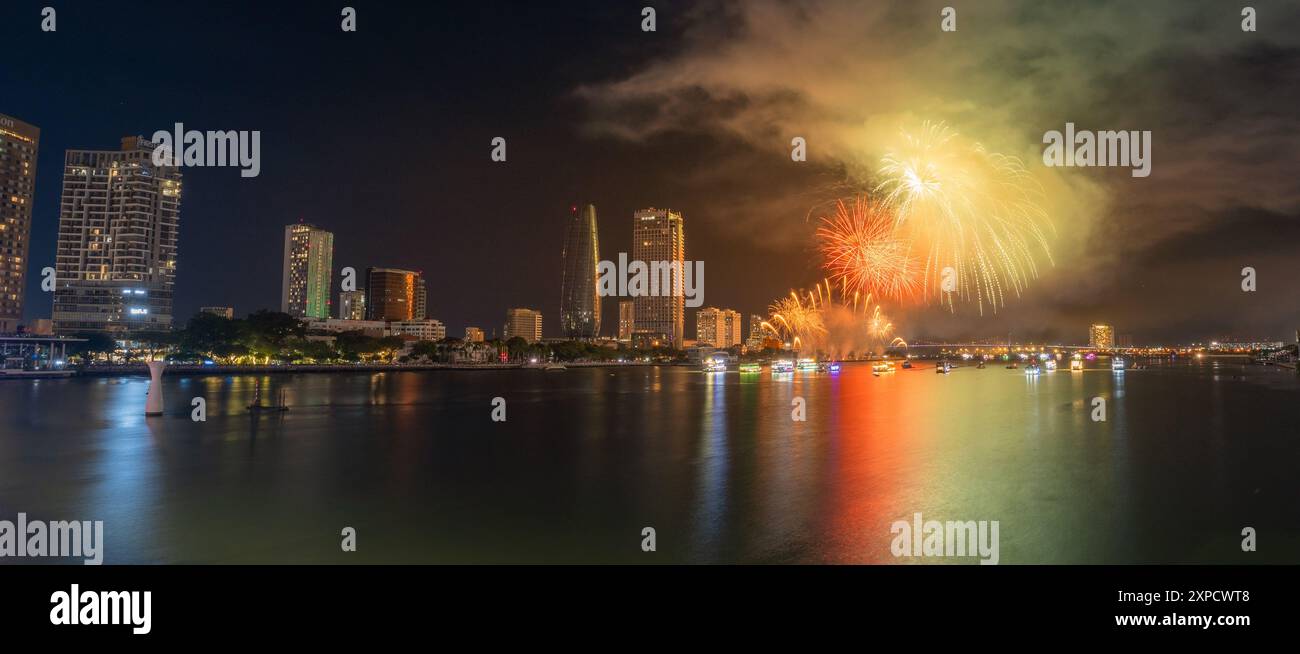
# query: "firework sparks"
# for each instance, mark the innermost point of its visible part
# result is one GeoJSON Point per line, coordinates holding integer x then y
{"type": "Point", "coordinates": [973, 211]}
{"type": "Point", "coordinates": [863, 254]}
{"type": "Point", "coordinates": [815, 321]}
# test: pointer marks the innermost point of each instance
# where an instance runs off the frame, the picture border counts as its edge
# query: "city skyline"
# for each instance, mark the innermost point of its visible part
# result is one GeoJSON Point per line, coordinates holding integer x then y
{"type": "Point", "coordinates": [1149, 259]}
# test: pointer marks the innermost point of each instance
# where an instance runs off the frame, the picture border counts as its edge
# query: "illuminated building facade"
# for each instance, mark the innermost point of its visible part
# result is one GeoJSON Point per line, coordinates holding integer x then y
{"type": "Point", "coordinates": [473, 335]}
{"type": "Point", "coordinates": [394, 294]}
{"type": "Point", "coordinates": [756, 333]}
{"type": "Point", "coordinates": [717, 327]}
{"type": "Point", "coordinates": [658, 236]}
{"type": "Point", "coordinates": [626, 319]}
{"type": "Point", "coordinates": [579, 301]}
{"type": "Point", "coordinates": [308, 258]}
{"type": "Point", "coordinates": [352, 305]}
{"type": "Point", "coordinates": [18, 147]}
{"type": "Point", "coordinates": [1101, 337]}
{"type": "Point", "coordinates": [524, 323]}
{"type": "Point", "coordinates": [116, 258]}
{"type": "Point", "coordinates": [225, 312]}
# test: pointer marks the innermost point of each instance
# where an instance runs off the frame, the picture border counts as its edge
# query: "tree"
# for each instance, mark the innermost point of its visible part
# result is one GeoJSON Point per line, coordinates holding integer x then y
{"type": "Point", "coordinates": [517, 347]}
{"type": "Point", "coordinates": [96, 343]}
{"type": "Point", "coordinates": [275, 327]}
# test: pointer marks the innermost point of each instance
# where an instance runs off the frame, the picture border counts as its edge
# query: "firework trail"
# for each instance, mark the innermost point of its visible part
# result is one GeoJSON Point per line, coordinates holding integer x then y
{"type": "Point", "coordinates": [968, 209]}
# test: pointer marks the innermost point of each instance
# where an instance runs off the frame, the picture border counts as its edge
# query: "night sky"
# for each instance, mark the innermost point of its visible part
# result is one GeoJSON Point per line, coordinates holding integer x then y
{"type": "Point", "coordinates": [383, 137]}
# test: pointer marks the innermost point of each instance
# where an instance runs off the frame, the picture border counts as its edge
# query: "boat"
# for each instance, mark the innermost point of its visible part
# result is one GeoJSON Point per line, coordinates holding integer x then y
{"type": "Point", "coordinates": [829, 366]}
{"type": "Point", "coordinates": [553, 367]}
{"type": "Point", "coordinates": [942, 368]}
{"type": "Point", "coordinates": [1032, 369]}
{"type": "Point", "coordinates": [806, 365]}
{"type": "Point", "coordinates": [980, 365]}
{"type": "Point", "coordinates": [884, 366]}
{"type": "Point", "coordinates": [1117, 364]}
{"type": "Point", "coordinates": [1076, 364]}
{"type": "Point", "coordinates": [715, 364]}
{"type": "Point", "coordinates": [782, 366]}
{"type": "Point", "coordinates": [1012, 366]}
{"type": "Point", "coordinates": [749, 368]}
{"type": "Point", "coordinates": [1051, 365]}
{"type": "Point", "coordinates": [907, 365]}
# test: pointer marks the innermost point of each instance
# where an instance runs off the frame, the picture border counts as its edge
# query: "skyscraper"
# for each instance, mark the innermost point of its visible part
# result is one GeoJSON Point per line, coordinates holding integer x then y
{"type": "Point", "coordinates": [658, 236]}
{"type": "Point", "coordinates": [756, 335]}
{"type": "Point", "coordinates": [352, 305]}
{"type": "Point", "coordinates": [308, 258]}
{"type": "Point", "coordinates": [579, 301]}
{"type": "Point", "coordinates": [524, 323]}
{"type": "Point", "coordinates": [18, 148]}
{"type": "Point", "coordinates": [116, 257]}
{"type": "Point", "coordinates": [394, 294]}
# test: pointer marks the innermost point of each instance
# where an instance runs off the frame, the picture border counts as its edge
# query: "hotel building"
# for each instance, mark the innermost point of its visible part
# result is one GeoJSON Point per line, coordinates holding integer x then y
{"type": "Point", "coordinates": [717, 327]}
{"type": "Point", "coordinates": [394, 294]}
{"type": "Point", "coordinates": [18, 148]}
{"type": "Point", "coordinates": [473, 335]}
{"type": "Point", "coordinates": [658, 236]}
{"type": "Point", "coordinates": [1101, 337]}
{"type": "Point", "coordinates": [524, 323]}
{"type": "Point", "coordinates": [308, 258]}
{"type": "Point", "coordinates": [117, 245]}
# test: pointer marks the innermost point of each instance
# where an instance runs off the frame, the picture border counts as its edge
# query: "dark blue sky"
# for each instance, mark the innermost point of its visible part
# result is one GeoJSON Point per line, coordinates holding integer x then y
{"type": "Point", "coordinates": [383, 137]}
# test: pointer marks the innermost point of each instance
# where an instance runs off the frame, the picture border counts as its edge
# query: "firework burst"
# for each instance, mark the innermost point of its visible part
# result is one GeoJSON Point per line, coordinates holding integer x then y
{"type": "Point", "coordinates": [972, 211]}
{"type": "Point", "coordinates": [863, 254]}
{"type": "Point", "coordinates": [817, 321]}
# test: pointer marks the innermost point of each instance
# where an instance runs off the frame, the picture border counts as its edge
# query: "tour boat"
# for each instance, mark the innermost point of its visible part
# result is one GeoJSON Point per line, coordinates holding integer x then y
{"type": "Point", "coordinates": [807, 364]}
{"type": "Point", "coordinates": [782, 366]}
{"type": "Point", "coordinates": [1032, 369]}
{"type": "Point", "coordinates": [1117, 364]}
{"type": "Point", "coordinates": [1051, 365]}
{"type": "Point", "coordinates": [942, 368]}
{"type": "Point", "coordinates": [1076, 364]}
{"type": "Point", "coordinates": [750, 367]}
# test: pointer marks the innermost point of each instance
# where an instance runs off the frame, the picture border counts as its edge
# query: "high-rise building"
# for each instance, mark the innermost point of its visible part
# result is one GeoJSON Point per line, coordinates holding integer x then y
{"type": "Point", "coordinates": [473, 335]}
{"type": "Point", "coordinates": [116, 258]}
{"type": "Point", "coordinates": [626, 319]}
{"type": "Point", "coordinates": [756, 335]}
{"type": "Point", "coordinates": [717, 327]}
{"type": "Point", "coordinates": [524, 323]}
{"type": "Point", "coordinates": [308, 260]}
{"type": "Point", "coordinates": [579, 301]}
{"type": "Point", "coordinates": [395, 294]}
{"type": "Point", "coordinates": [1101, 337]}
{"type": "Point", "coordinates": [659, 241]}
{"type": "Point", "coordinates": [225, 312]}
{"type": "Point", "coordinates": [352, 305]}
{"type": "Point", "coordinates": [18, 148]}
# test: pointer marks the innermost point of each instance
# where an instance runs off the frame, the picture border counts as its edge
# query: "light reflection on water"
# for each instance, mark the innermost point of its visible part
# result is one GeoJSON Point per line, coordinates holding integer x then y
{"type": "Point", "coordinates": [1187, 456]}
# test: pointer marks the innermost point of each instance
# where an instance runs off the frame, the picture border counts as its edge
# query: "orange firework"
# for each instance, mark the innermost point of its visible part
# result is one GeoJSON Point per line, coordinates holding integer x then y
{"type": "Point", "coordinates": [863, 253]}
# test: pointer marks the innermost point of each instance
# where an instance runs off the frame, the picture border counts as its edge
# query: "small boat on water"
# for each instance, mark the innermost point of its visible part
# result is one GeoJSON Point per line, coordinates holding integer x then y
{"type": "Point", "coordinates": [1117, 364]}
{"type": "Point", "coordinates": [907, 365]}
{"type": "Point", "coordinates": [1032, 369]}
{"type": "Point", "coordinates": [942, 368]}
{"type": "Point", "coordinates": [750, 368]}
{"type": "Point", "coordinates": [807, 365]}
{"type": "Point", "coordinates": [782, 366]}
{"type": "Point", "coordinates": [829, 366]}
{"type": "Point", "coordinates": [1076, 364]}
{"type": "Point", "coordinates": [882, 367]}
{"type": "Point", "coordinates": [1051, 365]}
{"type": "Point", "coordinates": [980, 365]}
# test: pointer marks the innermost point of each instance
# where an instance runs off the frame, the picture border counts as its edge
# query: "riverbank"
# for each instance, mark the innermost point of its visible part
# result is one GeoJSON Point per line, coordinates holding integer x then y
{"type": "Point", "coordinates": [200, 369]}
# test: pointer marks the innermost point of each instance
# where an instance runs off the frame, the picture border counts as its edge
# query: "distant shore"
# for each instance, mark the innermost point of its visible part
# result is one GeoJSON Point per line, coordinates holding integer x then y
{"type": "Point", "coordinates": [200, 369]}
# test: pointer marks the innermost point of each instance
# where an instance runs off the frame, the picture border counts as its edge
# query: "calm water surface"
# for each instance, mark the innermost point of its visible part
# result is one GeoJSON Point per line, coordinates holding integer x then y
{"type": "Point", "coordinates": [1189, 455]}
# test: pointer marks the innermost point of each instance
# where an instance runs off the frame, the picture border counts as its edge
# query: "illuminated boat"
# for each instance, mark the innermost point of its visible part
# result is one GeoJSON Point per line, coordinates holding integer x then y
{"type": "Point", "coordinates": [715, 364]}
{"type": "Point", "coordinates": [1051, 365]}
{"type": "Point", "coordinates": [1117, 364]}
{"type": "Point", "coordinates": [942, 368]}
{"type": "Point", "coordinates": [782, 366]}
{"type": "Point", "coordinates": [907, 365]}
{"type": "Point", "coordinates": [1076, 364]}
{"type": "Point", "coordinates": [1032, 369]}
{"type": "Point", "coordinates": [884, 366]}
{"type": "Point", "coordinates": [748, 368]}
{"type": "Point", "coordinates": [807, 365]}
